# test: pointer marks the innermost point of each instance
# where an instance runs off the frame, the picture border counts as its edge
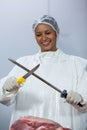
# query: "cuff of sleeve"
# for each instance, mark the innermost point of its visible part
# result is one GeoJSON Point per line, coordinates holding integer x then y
{"type": "Point", "coordinates": [81, 109]}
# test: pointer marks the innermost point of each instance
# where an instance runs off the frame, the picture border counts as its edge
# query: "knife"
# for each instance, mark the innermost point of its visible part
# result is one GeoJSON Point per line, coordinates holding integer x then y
{"type": "Point", "coordinates": [24, 77]}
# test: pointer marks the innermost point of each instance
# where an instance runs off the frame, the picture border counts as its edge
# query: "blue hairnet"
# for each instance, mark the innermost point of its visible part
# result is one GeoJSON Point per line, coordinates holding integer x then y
{"type": "Point", "coordinates": [46, 19]}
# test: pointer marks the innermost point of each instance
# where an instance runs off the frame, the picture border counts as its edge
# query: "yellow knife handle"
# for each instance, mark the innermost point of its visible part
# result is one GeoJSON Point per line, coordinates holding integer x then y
{"type": "Point", "coordinates": [21, 80]}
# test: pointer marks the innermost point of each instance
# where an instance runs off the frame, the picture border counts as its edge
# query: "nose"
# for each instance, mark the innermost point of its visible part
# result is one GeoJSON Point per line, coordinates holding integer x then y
{"type": "Point", "coordinates": [44, 37]}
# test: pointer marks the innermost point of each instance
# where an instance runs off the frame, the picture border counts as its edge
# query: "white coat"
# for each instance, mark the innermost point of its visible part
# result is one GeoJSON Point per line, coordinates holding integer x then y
{"type": "Point", "coordinates": [36, 98]}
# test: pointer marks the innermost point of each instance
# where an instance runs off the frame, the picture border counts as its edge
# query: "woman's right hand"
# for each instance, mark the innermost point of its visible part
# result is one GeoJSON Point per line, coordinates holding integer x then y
{"type": "Point", "coordinates": [11, 85]}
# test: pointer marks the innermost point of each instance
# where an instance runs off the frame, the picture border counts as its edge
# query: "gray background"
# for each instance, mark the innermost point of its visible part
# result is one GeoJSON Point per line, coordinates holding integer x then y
{"type": "Point", "coordinates": [17, 38]}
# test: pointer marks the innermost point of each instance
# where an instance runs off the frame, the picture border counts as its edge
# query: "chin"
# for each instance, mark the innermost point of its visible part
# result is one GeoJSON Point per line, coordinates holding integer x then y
{"type": "Point", "coordinates": [46, 49]}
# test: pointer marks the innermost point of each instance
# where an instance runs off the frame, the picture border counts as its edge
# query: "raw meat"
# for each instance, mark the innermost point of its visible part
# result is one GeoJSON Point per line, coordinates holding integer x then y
{"type": "Point", "coordinates": [35, 123]}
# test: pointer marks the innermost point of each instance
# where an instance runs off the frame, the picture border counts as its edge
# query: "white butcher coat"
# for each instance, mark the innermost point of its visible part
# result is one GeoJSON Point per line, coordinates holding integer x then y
{"type": "Point", "coordinates": [35, 98]}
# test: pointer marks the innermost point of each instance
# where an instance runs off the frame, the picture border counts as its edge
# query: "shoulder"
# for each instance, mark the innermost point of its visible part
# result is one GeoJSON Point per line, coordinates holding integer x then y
{"type": "Point", "coordinates": [26, 58]}
{"type": "Point", "coordinates": [79, 61]}
{"type": "Point", "coordinates": [76, 59]}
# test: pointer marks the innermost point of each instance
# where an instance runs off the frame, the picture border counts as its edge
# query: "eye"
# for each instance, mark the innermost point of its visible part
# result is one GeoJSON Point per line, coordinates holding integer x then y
{"type": "Point", "coordinates": [38, 34]}
{"type": "Point", "coordinates": [48, 33]}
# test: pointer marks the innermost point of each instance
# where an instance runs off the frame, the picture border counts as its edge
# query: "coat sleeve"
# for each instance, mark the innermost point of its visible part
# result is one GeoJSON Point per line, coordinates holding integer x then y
{"type": "Point", "coordinates": [81, 69]}
{"type": "Point", "coordinates": [9, 98]}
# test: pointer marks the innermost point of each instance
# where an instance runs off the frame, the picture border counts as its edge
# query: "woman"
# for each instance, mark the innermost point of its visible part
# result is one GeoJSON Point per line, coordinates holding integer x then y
{"type": "Point", "coordinates": [34, 97]}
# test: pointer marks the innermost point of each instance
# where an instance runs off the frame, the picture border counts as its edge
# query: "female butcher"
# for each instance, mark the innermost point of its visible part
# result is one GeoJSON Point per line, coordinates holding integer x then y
{"type": "Point", "coordinates": [35, 98]}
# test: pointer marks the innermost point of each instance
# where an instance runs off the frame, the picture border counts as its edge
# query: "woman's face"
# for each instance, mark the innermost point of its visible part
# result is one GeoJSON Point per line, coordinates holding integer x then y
{"type": "Point", "coordinates": [46, 37]}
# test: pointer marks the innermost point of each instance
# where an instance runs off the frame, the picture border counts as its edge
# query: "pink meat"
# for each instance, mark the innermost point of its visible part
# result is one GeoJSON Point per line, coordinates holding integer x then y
{"type": "Point", "coordinates": [35, 123]}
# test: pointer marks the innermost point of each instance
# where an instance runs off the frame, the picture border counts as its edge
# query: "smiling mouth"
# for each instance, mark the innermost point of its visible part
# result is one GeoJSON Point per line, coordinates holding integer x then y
{"type": "Point", "coordinates": [46, 43]}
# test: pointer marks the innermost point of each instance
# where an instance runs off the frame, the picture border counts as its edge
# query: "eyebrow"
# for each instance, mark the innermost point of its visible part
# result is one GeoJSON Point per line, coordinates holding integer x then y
{"type": "Point", "coordinates": [44, 30]}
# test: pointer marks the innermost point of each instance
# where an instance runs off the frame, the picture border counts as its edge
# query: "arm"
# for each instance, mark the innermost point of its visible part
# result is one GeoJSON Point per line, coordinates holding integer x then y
{"type": "Point", "coordinates": [80, 95]}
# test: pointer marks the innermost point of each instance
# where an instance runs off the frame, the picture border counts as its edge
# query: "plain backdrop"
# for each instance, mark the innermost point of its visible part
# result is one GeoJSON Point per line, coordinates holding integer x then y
{"type": "Point", "coordinates": [17, 38]}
